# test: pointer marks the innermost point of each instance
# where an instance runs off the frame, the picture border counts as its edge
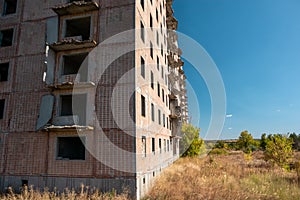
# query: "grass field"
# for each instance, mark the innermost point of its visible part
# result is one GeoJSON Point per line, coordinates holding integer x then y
{"type": "Point", "coordinates": [220, 177]}
{"type": "Point", "coordinates": [232, 176]}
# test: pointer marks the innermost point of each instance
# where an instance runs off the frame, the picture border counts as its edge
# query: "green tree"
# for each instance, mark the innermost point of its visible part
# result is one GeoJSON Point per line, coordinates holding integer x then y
{"type": "Point", "coordinates": [279, 149]}
{"type": "Point", "coordinates": [191, 144]}
{"type": "Point", "coordinates": [263, 141]}
{"type": "Point", "coordinates": [246, 142]}
{"type": "Point", "coordinates": [296, 141]}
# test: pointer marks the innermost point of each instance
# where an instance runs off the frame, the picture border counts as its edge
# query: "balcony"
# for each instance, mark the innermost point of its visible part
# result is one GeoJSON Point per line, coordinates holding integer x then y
{"type": "Point", "coordinates": [76, 7]}
{"type": "Point", "coordinates": [73, 43]}
{"type": "Point", "coordinates": [67, 123]}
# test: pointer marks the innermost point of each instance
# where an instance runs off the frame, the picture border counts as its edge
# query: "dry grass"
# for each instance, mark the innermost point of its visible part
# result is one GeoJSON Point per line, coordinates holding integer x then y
{"type": "Point", "coordinates": [221, 177]}
{"type": "Point", "coordinates": [84, 194]}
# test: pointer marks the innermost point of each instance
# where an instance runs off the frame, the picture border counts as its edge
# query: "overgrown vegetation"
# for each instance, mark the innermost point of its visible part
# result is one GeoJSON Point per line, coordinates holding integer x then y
{"type": "Point", "coordinates": [225, 177]}
{"type": "Point", "coordinates": [279, 150]}
{"type": "Point", "coordinates": [191, 144]}
{"type": "Point", "coordinates": [85, 193]}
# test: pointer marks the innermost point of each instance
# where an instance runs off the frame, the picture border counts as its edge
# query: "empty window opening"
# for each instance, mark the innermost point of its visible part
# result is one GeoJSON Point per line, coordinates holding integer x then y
{"type": "Point", "coordinates": [153, 145]}
{"type": "Point", "coordinates": [9, 7]}
{"type": "Point", "coordinates": [24, 182]}
{"type": "Point", "coordinates": [142, 32]}
{"type": "Point", "coordinates": [143, 106]}
{"type": "Point", "coordinates": [142, 4]}
{"type": "Point", "coordinates": [151, 21]}
{"type": "Point", "coordinates": [142, 67]}
{"type": "Point", "coordinates": [78, 102]}
{"type": "Point", "coordinates": [158, 89]}
{"type": "Point", "coordinates": [4, 71]}
{"type": "Point", "coordinates": [157, 63]}
{"type": "Point", "coordinates": [6, 37]}
{"type": "Point", "coordinates": [151, 50]}
{"type": "Point", "coordinates": [164, 120]}
{"type": "Point", "coordinates": [70, 148]}
{"type": "Point", "coordinates": [159, 117]}
{"type": "Point", "coordinates": [72, 64]}
{"type": "Point", "coordinates": [144, 180]}
{"type": "Point", "coordinates": [79, 28]}
{"type": "Point", "coordinates": [157, 38]}
{"type": "Point", "coordinates": [165, 145]}
{"type": "Point", "coordinates": [159, 145]}
{"type": "Point", "coordinates": [162, 72]}
{"type": "Point", "coordinates": [144, 149]}
{"type": "Point", "coordinates": [152, 112]}
{"type": "Point", "coordinates": [163, 95]}
{"type": "Point", "coordinates": [152, 80]}
{"type": "Point", "coordinates": [2, 105]}
{"type": "Point", "coordinates": [156, 15]}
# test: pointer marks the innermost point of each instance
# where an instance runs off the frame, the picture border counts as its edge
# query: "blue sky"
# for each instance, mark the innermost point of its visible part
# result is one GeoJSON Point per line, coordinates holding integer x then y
{"type": "Point", "coordinates": [256, 47]}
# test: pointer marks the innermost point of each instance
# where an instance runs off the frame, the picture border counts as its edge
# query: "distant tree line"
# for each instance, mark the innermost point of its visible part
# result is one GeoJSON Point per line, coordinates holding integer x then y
{"type": "Point", "coordinates": [278, 148]}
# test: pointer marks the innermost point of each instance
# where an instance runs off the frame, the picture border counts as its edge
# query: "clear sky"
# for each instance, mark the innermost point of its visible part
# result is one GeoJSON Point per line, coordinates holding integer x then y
{"type": "Point", "coordinates": [256, 47]}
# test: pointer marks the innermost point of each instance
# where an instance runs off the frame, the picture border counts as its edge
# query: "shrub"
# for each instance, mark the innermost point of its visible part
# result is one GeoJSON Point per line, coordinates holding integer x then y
{"type": "Point", "coordinates": [217, 151]}
{"type": "Point", "coordinates": [279, 150]}
{"type": "Point", "coordinates": [246, 142]}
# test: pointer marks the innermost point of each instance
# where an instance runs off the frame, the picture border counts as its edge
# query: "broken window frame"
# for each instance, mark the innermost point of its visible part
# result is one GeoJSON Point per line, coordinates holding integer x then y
{"type": "Point", "coordinates": [83, 71]}
{"type": "Point", "coordinates": [63, 24]}
{"type": "Point", "coordinates": [82, 113]}
{"type": "Point", "coordinates": [4, 71]}
{"type": "Point", "coordinates": [11, 37]}
{"type": "Point", "coordinates": [82, 151]}
{"type": "Point", "coordinates": [6, 7]}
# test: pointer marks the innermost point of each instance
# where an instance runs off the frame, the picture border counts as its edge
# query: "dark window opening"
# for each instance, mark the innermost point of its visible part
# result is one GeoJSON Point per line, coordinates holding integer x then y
{"type": "Point", "coordinates": [151, 50]}
{"type": "Point", "coordinates": [159, 117]}
{"type": "Point", "coordinates": [143, 106]}
{"type": "Point", "coordinates": [158, 89]}
{"type": "Point", "coordinates": [152, 80]}
{"type": "Point", "coordinates": [162, 50]}
{"type": "Point", "coordinates": [70, 148]}
{"type": "Point", "coordinates": [142, 4]}
{"type": "Point", "coordinates": [144, 180]}
{"type": "Point", "coordinates": [142, 32]}
{"type": "Point", "coordinates": [157, 63]}
{"type": "Point", "coordinates": [163, 95]}
{"type": "Point", "coordinates": [153, 145]}
{"type": "Point", "coordinates": [156, 15]}
{"type": "Point", "coordinates": [167, 123]}
{"type": "Point", "coordinates": [142, 67]}
{"type": "Point", "coordinates": [72, 64]}
{"type": "Point", "coordinates": [78, 101]}
{"type": "Point", "coordinates": [2, 105]}
{"type": "Point", "coordinates": [164, 120]}
{"type": "Point", "coordinates": [159, 145]}
{"type": "Point", "coordinates": [157, 38]}
{"type": "Point", "coordinates": [6, 37]}
{"type": "Point", "coordinates": [152, 112]}
{"type": "Point", "coordinates": [24, 182]}
{"type": "Point", "coordinates": [79, 27]}
{"type": "Point", "coordinates": [151, 21]}
{"type": "Point", "coordinates": [9, 7]}
{"type": "Point", "coordinates": [162, 72]}
{"type": "Point", "coordinates": [4, 71]}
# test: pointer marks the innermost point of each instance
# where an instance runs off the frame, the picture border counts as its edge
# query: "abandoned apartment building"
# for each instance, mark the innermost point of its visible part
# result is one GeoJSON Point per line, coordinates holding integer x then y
{"type": "Point", "coordinates": [43, 139]}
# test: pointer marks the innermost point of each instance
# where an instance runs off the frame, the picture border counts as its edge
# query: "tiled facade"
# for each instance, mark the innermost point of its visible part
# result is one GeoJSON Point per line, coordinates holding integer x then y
{"type": "Point", "coordinates": [130, 126]}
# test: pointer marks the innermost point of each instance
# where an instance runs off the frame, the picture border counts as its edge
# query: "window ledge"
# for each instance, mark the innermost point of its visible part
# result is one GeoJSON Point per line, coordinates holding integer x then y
{"type": "Point", "coordinates": [68, 128]}
{"type": "Point", "coordinates": [75, 8]}
{"type": "Point", "coordinates": [70, 85]}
